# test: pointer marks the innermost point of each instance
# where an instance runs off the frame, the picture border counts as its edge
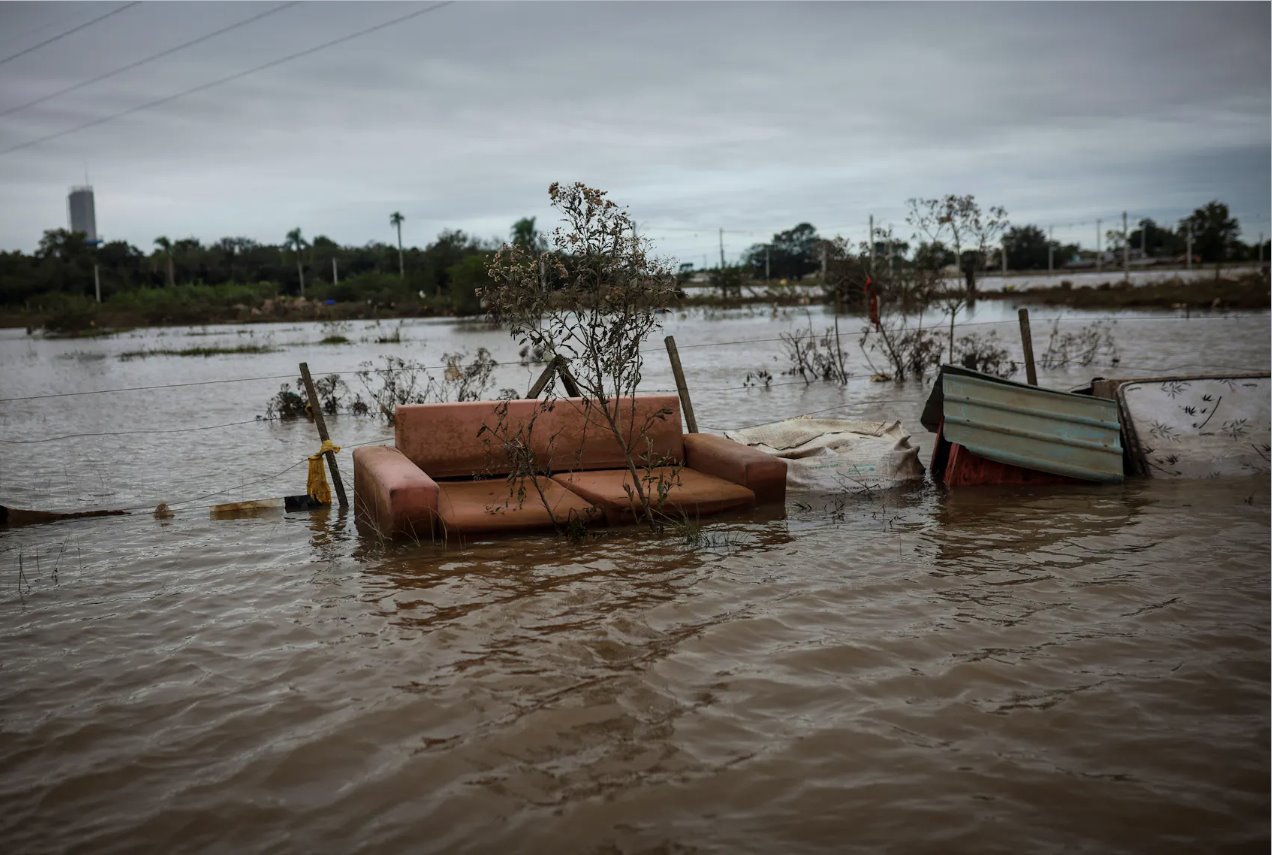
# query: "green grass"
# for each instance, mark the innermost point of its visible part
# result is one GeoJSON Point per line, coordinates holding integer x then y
{"type": "Point", "coordinates": [1245, 291]}
{"type": "Point", "coordinates": [198, 351]}
{"type": "Point", "coordinates": [334, 339]}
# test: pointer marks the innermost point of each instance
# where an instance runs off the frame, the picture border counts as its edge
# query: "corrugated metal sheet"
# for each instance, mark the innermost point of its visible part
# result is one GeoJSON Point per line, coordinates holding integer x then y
{"type": "Point", "coordinates": [1058, 432]}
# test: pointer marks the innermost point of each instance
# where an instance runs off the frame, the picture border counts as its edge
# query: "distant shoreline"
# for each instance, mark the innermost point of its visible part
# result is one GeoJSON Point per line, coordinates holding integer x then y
{"type": "Point", "coordinates": [1248, 290]}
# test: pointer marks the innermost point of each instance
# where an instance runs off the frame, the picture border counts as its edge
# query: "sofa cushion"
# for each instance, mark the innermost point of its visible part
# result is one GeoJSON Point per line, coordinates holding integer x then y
{"type": "Point", "coordinates": [447, 440]}
{"type": "Point", "coordinates": [492, 505]}
{"type": "Point", "coordinates": [691, 493]}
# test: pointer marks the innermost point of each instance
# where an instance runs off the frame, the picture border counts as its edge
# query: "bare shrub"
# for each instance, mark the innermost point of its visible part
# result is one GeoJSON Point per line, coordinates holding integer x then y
{"type": "Point", "coordinates": [1081, 347]}
{"type": "Point", "coordinates": [400, 381]}
{"type": "Point", "coordinates": [983, 353]}
{"type": "Point", "coordinates": [403, 381]}
{"type": "Point", "coordinates": [814, 357]}
{"type": "Point", "coordinates": [591, 297]}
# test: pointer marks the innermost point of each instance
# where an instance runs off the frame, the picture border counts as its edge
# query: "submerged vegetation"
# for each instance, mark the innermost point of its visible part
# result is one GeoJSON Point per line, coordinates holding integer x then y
{"type": "Point", "coordinates": [1080, 347]}
{"type": "Point", "coordinates": [198, 351]}
{"type": "Point", "coordinates": [397, 381]}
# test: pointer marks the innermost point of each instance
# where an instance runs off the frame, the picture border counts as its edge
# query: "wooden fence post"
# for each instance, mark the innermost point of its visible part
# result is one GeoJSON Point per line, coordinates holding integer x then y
{"type": "Point", "coordinates": [536, 388]}
{"type": "Point", "coordinates": [567, 379]}
{"type": "Point", "coordinates": [558, 364]}
{"type": "Point", "coordinates": [316, 407]}
{"type": "Point", "coordinates": [1026, 342]}
{"type": "Point", "coordinates": [681, 388]}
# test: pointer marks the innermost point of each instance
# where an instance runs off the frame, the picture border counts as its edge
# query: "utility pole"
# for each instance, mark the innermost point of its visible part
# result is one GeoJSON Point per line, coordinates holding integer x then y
{"type": "Point", "coordinates": [823, 265]}
{"type": "Point", "coordinates": [1143, 240]}
{"type": "Point", "coordinates": [1260, 247]}
{"type": "Point", "coordinates": [97, 280]}
{"type": "Point", "coordinates": [335, 272]}
{"type": "Point", "coordinates": [1051, 250]}
{"type": "Point", "coordinates": [872, 245]}
{"type": "Point", "coordinates": [721, 250]}
{"type": "Point", "coordinates": [1126, 249]}
{"type": "Point", "coordinates": [1099, 253]}
{"type": "Point", "coordinates": [1188, 256]}
{"type": "Point", "coordinates": [1004, 255]}
{"type": "Point", "coordinates": [889, 250]}
{"type": "Point", "coordinates": [766, 263]}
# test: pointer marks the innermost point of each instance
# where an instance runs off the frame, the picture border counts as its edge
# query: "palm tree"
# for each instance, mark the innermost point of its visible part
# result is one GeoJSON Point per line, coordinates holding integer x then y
{"type": "Point", "coordinates": [166, 245]}
{"type": "Point", "coordinates": [297, 242]}
{"type": "Point", "coordinates": [395, 219]}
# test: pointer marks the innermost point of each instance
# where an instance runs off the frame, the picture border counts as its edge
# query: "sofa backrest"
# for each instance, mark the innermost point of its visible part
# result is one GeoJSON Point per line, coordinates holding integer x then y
{"type": "Point", "coordinates": [564, 434]}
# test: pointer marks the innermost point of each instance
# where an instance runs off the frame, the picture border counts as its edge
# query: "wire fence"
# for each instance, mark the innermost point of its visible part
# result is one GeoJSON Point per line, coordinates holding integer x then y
{"type": "Point", "coordinates": [760, 387]}
{"type": "Point", "coordinates": [647, 350]}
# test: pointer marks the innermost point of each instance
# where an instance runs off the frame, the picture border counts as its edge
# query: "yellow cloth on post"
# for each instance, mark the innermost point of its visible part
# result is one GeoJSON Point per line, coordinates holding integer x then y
{"type": "Point", "coordinates": [317, 486]}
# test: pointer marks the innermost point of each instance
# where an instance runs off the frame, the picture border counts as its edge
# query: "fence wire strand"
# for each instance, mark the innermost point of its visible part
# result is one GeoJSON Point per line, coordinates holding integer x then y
{"type": "Point", "coordinates": [701, 391]}
{"type": "Point", "coordinates": [651, 350]}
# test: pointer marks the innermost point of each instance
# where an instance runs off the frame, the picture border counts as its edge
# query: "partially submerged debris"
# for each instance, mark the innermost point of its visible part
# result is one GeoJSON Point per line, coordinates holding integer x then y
{"type": "Point", "coordinates": [230, 510]}
{"type": "Point", "coordinates": [1193, 426]}
{"type": "Point", "coordinates": [833, 455]}
{"type": "Point", "coordinates": [18, 516]}
{"type": "Point", "coordinates": [994, 431]}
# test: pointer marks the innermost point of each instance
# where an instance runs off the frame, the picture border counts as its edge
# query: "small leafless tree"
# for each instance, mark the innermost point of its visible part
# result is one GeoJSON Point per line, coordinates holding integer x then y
{"type": "Point", "coordinates": [845, 274]}
{"type": "Point", "coordinates": [592, 297]}
{"type": "Point", "coordinates": [970, 229]}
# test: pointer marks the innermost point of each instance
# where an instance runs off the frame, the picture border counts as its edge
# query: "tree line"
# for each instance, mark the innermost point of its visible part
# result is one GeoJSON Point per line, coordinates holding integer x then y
{"type": "Point", "coordinates": [957, 231]}
{"type": "Point", "coordinates": [445, 272]}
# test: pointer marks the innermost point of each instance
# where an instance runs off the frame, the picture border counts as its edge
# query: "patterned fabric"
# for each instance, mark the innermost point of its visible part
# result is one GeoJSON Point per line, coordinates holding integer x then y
{"type": "Point", "coordinates": [1201, 428]}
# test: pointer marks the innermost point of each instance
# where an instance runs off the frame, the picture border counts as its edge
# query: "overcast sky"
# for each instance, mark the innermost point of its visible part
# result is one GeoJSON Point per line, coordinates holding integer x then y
{"type": "Point", "coordinates": [750, 117]}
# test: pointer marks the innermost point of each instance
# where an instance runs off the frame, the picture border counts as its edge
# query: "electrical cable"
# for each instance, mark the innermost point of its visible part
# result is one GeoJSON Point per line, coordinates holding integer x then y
{"type": "Point", "coordinates": [148, 59]}
{"type": "Point", "coordinates": [17, 37]}
{"type": "Point", "coordinates": [287, 376]}
{"type": "Point", "coordinates": [63, 35]}
{"type": "Point", "coordinates": [257, 420]}
{"type": "Point", "coordinates": [251, 483]}
{"type": "Point", "coordinates": [237, 76]}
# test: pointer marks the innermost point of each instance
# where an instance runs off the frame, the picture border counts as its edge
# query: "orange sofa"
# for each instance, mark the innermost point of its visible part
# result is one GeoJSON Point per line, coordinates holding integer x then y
{"type": "Point", "coordinates": [448, 471]}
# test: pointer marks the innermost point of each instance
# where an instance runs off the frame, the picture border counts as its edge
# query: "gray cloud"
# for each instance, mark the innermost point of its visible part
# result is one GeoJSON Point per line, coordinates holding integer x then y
{"type": "Point", "coordinates": [750, 117]}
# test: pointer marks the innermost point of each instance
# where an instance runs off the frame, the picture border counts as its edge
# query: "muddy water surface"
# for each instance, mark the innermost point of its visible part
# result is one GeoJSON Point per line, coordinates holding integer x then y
{"type": "Point", "coordinates": [1079, 668]}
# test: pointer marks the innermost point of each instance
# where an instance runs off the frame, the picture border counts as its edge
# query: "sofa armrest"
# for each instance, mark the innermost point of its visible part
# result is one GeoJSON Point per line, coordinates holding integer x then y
{"type": "Point", "coordinates": [763, 474]}
{"type": "Point", "coordinates": [393, 493]}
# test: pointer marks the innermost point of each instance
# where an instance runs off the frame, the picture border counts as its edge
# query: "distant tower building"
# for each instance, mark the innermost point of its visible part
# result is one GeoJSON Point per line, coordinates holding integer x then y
{"type": "Point", "coordinates": [82, 212]}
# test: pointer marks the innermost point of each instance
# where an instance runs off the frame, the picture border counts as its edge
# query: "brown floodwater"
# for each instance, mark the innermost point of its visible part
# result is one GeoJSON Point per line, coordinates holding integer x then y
{"type": "Point", "coordinates": [1060, 668]}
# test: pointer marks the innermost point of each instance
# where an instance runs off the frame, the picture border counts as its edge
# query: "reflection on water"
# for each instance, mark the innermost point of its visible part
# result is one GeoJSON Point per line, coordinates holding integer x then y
{"type": "Point", "coordinates": [1046, 668]}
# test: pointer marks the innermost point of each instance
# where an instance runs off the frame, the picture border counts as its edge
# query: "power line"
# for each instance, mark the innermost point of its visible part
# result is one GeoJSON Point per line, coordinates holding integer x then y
{"type": "Point", "coordinates": [256, 421]}
{"type": "Point", "coordinates": [66, 33]}
{"type": "Point", "coordinates": [409, 367]}
{"type": "Point", "coordinates": [148, 59]}
{"type": "Point", "coordinates": [236, 76]}
{"type": "Point", "coordinates": [17, 37]}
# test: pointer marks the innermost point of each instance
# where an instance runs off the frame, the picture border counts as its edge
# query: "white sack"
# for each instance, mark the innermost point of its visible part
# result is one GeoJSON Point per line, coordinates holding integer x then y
{"type": "Point", "coordinates": [834, 455]}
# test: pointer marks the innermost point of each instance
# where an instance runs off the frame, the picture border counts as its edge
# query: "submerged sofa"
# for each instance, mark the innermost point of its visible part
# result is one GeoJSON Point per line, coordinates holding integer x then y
{"type": "Point", "coordinates": [450, 470]}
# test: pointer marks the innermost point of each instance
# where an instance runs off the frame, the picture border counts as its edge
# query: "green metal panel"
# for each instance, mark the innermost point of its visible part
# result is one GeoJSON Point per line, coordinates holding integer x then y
{"type": "Point", "coordinates": [1041, 429]}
